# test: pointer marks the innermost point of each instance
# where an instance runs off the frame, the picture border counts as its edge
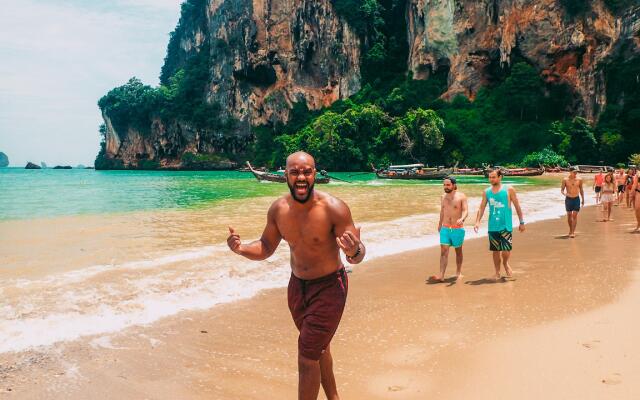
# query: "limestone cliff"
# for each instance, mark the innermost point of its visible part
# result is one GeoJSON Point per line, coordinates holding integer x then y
{"type": "Point", "coordinates": [477, 40]}
{"type": "Point", "coordinates": [265, 55]}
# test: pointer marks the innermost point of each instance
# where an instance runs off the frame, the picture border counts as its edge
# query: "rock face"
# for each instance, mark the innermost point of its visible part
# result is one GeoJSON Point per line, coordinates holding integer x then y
{"type": "Point", "coordinates": [269, 54]}
{"type": "Point", "coordinates": [4, 160]}
{"type": "Point", "coordinates": [477, 39]}
{"type": "Point", "coordinates": [266, 55]}
{"type": "Point", "coordinates": [31, 165]}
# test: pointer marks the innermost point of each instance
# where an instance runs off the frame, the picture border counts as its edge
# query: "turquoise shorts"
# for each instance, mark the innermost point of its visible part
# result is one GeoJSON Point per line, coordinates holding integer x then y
{"type": "Point", "coordinates": [453, 237]}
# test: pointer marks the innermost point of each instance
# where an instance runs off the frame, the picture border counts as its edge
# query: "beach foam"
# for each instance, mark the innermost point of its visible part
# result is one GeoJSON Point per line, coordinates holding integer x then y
{"type": "Point", "coordinates": [104, 299]}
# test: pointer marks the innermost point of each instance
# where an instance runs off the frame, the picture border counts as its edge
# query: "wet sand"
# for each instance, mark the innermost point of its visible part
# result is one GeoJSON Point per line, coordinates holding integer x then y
{"type": "Point", "coordinates": [563, 327]}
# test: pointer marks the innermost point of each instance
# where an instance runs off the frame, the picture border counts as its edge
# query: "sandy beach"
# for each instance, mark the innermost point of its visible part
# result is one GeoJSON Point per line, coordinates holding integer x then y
{"type": "Point", "coordinates": [563, 327]}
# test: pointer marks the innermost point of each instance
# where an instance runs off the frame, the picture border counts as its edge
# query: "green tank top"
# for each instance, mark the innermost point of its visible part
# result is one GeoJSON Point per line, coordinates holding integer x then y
{"type": "Point", "coordinates": [500, 216]}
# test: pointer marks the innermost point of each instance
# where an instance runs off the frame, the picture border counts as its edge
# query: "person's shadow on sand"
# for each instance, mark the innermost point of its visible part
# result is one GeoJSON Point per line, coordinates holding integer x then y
{"type": "Point", "coordinates": [561, 237]}
{"type": "Point", "coordinates": [451, 281]}
{"type": "Point", "coordinates": [487, 281]}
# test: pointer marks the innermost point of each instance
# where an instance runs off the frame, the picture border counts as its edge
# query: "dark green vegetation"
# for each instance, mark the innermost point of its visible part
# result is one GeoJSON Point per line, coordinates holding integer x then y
{"type": "Point", "coordinates": [618, 6]}
{"type": "Point", "coordinates": [619, 127]}
{"type": "Point", "coordinates": [518, 119]}
{"type": "Point", "coordinates": [576, 7]}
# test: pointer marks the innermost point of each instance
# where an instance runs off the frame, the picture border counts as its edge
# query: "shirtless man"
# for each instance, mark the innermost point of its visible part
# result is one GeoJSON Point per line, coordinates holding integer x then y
{"type": "Point", "coordinates": [598, 181]}
{"type": "Point", "coordinates": [500, 198]}
{"type": "Point", "coordinates": [620, 183]}
{"type": "Point", "coordinates": [317, 226]}
{"type": "Point", "coordinates": [574, 198]}
{"type": "Point", "coordinates": [453, 213]}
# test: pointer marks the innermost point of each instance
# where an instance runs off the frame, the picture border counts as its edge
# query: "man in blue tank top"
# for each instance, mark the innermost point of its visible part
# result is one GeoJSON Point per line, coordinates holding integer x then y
{"type": "Point", "coordinates": [500, 198]}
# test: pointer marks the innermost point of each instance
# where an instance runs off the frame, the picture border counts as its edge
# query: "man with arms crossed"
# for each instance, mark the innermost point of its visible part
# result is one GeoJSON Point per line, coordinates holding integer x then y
{"type": "Point", "coordinates": [500, 199]}
{"type": "Point", "coordinates": [316, 225]}
{"type": "Point", "coordinates": [573, 192]}
{"type": "Point", "coordinates": [453, 213]}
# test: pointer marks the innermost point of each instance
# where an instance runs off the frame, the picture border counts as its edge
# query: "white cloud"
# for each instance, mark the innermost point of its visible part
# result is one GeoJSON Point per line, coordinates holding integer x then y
{"type": "Point", "coordinates": [59, 58]}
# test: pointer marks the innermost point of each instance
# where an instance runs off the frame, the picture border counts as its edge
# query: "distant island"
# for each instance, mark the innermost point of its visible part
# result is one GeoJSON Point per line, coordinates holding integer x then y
{"type": "Point", "coordinates": [4, 160]}
{"type": "Point", "coordinates": [31, 165]}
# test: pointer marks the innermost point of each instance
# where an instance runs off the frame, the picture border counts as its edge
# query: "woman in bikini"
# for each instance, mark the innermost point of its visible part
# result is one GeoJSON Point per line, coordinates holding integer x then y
{"type": "Point", "coordinates": [607, 197]}
{"type": "Point", "coordinates": [629, 192]}
{"type": "Point", "coordinates": [636, 190]}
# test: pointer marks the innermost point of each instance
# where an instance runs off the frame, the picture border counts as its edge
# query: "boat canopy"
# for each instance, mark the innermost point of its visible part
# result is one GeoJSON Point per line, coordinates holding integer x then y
{"type": "Point", "coordinates": [406, 166]}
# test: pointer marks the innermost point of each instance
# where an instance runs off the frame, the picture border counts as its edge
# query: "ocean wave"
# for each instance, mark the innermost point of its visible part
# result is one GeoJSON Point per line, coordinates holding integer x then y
{"type": "Point", "coordinates": [109, 298]}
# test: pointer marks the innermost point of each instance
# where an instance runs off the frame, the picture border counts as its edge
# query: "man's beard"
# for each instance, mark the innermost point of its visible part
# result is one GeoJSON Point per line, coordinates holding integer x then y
{"type": "Point", "coordinates": [448, 190]}
{"type": "Point", "coordinates": [292, 189]}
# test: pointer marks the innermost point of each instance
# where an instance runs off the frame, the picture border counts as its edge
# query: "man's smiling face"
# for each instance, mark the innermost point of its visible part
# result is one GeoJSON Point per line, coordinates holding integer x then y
{"type": "Point", "coordinates": [301, 176]}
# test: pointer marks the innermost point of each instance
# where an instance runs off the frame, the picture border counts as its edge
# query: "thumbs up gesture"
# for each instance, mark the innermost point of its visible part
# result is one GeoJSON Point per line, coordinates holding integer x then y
{"type": "Point", "coordinates": [233, 241]}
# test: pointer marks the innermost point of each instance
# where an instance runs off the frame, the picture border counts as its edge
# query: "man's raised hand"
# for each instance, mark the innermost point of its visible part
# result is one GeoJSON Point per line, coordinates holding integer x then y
{"type": "Point", "coordinates": [349, 242]}
{"type": "Point", "coordinates": [233, 241]}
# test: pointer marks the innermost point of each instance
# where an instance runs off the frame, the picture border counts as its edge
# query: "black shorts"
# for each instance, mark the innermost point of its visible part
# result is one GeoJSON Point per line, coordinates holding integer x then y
{"type": "Point", "coordinates": [598, 189]}
{"type": "Point", "coordinates": [572, 203]}
{"type": "Point", "coordinates": [620, 188]}
{"type": "Point", "coordinates": [501, 241]}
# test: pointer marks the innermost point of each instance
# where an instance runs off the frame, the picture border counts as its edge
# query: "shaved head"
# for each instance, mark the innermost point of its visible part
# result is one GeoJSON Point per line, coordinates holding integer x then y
{"type": "Point", "coordinates": [301, 157]}
{"type": "Point", "coordinates": [301, 175]}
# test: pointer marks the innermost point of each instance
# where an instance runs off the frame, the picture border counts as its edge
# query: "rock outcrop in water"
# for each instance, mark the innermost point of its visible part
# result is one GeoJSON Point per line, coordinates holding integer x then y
{"type": "Point", "coordinates": [31, 165]}
{"type": "Point", "coordinates": [4, 160]}
{"type": "Point", "coordinates": [264, 57]}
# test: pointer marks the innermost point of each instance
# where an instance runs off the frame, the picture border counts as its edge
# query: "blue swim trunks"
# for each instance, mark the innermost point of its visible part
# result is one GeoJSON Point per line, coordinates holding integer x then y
{"type": "Point", "coordinates": [451, 236]}
{"type": "Point", "coordinates": [572, 203]}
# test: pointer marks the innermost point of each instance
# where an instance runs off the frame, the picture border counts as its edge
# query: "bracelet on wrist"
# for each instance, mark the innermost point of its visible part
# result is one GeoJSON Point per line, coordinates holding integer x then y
{"type": "Point", "coordinates": [356, 254]}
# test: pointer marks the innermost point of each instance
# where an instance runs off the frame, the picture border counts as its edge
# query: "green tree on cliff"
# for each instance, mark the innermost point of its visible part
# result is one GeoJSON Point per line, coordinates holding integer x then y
{"type": "Point", "coordinates": [418, 133]}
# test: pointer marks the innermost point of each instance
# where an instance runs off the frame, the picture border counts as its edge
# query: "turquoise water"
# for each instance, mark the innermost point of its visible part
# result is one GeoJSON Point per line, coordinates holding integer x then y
{"type": "Point", "coordinates": [26, 194]}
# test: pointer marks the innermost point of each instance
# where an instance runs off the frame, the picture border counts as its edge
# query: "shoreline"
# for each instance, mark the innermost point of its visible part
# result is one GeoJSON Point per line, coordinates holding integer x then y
{"type": "Point", "coordinates": [241, 280]}
{"type": "Point", "coordinates": [398, 338]}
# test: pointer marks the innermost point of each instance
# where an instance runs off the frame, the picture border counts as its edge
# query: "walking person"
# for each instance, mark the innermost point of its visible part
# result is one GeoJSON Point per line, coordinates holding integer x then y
{"type": "Point", "coordinates": [598, 181]}
{"type": "Point", "coordinates": [607, 196]}
{"type": "Point", "coordinates": [453, 212]}
{"type": "Point", "coordinates": [574, 198]}
{"type": "Point", "coordinates": [620, 183]}
{"type": "Point", "coordinates": [317, 226]}
{"type": "Point", "coordinates": [500, 199]}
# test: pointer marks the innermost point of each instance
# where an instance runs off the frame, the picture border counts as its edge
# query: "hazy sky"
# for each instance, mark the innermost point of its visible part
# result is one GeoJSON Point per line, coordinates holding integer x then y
{"type": "Point", "coordinates": [57, 58]}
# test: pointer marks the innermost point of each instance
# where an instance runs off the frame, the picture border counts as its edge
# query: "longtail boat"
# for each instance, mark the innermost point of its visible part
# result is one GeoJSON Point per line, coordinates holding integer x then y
{"type": "Point", "coordinates": [518, 171]}
{"type": "Point", "coordinates": [555, 169]}
{"type": "Point", "coordinates": [271, 177]}
{"type": "Point", "coordinates": [593, 168]}
{"type": "Point", "coordinates": [469, 171]}
{"type": "Point", "coordinates": [412, 172]}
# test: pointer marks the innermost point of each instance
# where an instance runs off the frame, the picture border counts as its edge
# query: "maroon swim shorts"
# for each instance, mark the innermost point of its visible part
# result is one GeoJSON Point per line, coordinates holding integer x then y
{"type": "Point", "coordinates": [316, 306]}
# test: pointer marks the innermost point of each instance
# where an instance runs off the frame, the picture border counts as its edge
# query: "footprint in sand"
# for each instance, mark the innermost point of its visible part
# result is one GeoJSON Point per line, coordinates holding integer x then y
{"type": "Point", "coordinates": [395, 388]}
{"type": "Point", "coordinates": [590, 345]}
{"type": "Point", "coordinates": [614, 379]}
